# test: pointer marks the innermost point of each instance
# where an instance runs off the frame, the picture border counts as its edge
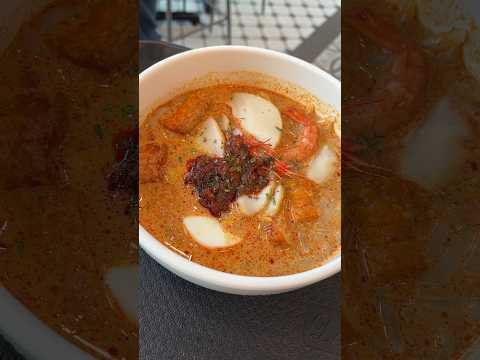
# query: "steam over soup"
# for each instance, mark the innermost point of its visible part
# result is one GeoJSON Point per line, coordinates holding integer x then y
{"type": "Point", "coordinates": [242, 180]}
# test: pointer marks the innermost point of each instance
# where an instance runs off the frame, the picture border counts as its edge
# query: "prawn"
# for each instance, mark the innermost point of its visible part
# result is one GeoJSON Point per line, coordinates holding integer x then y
{"type": "Point", "coordinates": [400, 93]}
{"type": "Point", "coordinates": [302, 150]}
{"type": "Point", "coordinates": [308, 143]}
{"type": "Point", "coordinates": [256, 147]}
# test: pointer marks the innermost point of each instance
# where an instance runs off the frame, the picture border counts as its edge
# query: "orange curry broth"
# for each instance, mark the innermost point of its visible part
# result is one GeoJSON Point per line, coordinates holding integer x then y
{"type": "Point", "coordinates": [163, 204]}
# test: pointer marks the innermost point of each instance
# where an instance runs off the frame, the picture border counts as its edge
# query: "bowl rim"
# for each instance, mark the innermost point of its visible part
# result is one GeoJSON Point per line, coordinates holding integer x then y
{"type": "Point", "coordinates": [216, 279]}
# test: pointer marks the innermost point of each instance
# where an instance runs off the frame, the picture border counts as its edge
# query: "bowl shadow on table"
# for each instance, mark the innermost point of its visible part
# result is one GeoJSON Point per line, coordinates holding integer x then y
{"type": "Point", "coordinates": [180, 320]}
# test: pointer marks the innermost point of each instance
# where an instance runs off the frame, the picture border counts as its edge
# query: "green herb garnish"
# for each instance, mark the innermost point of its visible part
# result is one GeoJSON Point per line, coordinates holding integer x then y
{"type": "Point", "coordinates": [269, 195]}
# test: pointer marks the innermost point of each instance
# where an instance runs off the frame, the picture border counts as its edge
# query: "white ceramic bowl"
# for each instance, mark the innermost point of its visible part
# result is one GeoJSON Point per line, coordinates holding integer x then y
{"type": "Point", "coordinates": [158, 80]}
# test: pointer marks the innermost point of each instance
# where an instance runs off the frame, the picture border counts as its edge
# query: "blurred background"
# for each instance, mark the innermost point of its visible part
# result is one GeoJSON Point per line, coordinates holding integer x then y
{"type": "Point", "coordinates": [308, 29]}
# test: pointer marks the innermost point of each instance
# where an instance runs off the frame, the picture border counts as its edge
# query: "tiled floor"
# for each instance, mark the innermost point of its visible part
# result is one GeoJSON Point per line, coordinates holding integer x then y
{"type": "Point", "coordinates": [330, 59]}
{"type": "Point", "coordinates": [283, 27]}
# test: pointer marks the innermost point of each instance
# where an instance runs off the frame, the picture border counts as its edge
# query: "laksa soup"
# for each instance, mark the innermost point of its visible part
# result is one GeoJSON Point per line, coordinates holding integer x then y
{"type": "Point", "coordinates": [243, 179]}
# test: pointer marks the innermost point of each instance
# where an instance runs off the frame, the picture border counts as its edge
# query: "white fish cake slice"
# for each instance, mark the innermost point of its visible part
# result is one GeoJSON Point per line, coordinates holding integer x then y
{"type": "Point", "coordinates": [472, 11]}
{"type": "Point", "coordinates": [322, 166]}
{"type": "Point", "coordinates": [441, 16]}
{"type": "Point", "coordinates": [252, 204]}
{"type": "Point", "coordinates": [123, 283]}
{"type": "Point", "coordinates": [210, 138]}
{"type": "Point", "coordinates": [208, 232]}
{"type": "Point", "coordinates": [275, 202]}
{"type": "Point", "coordinates": [471, 54]}
{"type": "Point", "coordinates": [257, 116]}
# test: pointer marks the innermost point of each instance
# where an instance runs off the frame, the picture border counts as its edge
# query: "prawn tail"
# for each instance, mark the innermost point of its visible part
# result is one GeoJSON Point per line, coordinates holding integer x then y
{"type": "Point", "coordinates": [282, 168]}
{"type": "Point", "coordinates": [297, 116]}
